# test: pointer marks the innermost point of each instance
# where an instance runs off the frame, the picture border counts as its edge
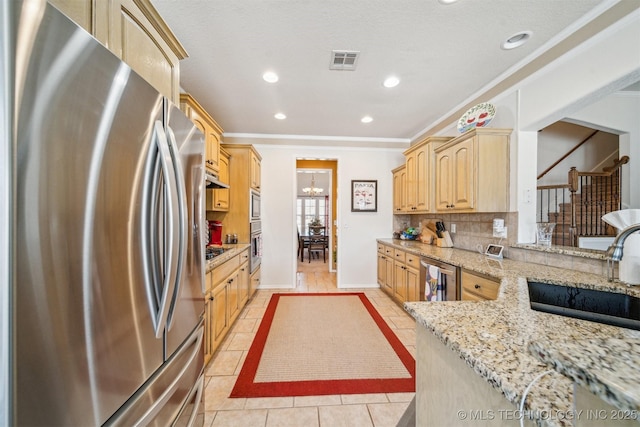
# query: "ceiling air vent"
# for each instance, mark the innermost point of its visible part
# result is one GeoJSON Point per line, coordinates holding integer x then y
{"type": "Point", "coordinates": [343, 60]}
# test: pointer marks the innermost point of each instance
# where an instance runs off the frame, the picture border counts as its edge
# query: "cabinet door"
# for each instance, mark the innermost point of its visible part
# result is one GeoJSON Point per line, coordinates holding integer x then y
{"type": "Point", "coordinates": [208, 327]}
{"type": "Point", "coordinates": [220, 318]}
{"type": "Point", "coordinates": [233, 303]}
{"type": "Point", "coordinates": [399, 177]}
{"type": "Point", "coordinates": [129, 28]}
{"type": "Point", "coordinates": [255, 172]}
{"type": "Point", "coordinates": [463, 175]}
{"type": "Point", "coordinates": [422, 179]}
{"type": "Point", "coordinates": [400, 281]}
{"type": "Point", "coordinates": [255, 282]}
{"type": "Point", "coordinates": [444, 164]}
{"type": "Point", "coordinates": [411, 181]}
{"type": "Point", "coordinates": [221, 195]}
{"type": "Point", "coordinates": [243, 285]}
{"type": "Point", "coordinates": [382, 271]}
{"type": "Point", "coordinates": [212, 151]}
{"type": "Point", "coordinates": [413, 284]}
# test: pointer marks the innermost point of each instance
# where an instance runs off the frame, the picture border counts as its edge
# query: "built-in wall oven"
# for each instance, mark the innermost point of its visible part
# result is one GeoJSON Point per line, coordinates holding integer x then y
{"type": "Point", "coordinates": [438, 281]}
{"type": "Point", "coordinates": [254, 205]}
{"type": "Point", "coordinates": [255, 228]}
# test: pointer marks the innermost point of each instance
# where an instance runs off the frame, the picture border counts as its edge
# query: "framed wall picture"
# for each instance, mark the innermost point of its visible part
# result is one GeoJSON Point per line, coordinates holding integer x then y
{"type": "Point", "coordinates": [364, 196]}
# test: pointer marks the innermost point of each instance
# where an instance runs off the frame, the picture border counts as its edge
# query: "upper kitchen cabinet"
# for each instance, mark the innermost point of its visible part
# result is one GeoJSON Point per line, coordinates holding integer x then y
{"type": "Point", "coordinates": [256, 171]}
{"type": "Point", "coordinates": [399, 185]}
{"type": "Point", "coordinates": [218, 199]}
{"type": "Point", "coordinates": [208, 126]}
{"type": "Point", "coordinates": [419, 162]}
{"type": "Point", "coordinates": [134, 31]}
{"type": "Point", "coordinates": [472, 172]}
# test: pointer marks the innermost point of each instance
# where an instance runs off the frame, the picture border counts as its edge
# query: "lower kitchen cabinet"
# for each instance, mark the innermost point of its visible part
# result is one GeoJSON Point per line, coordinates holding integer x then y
{"type": "Point", "coordinates": [399, 273]}
{"type": "Point", "coordinates": [385, 268]}
{"type": "Point", "coordinates": [254, 282]}
{"type": "Point", "coordinates": [226, 295]}
{"type": "Point", "coordinates": [476, 287]}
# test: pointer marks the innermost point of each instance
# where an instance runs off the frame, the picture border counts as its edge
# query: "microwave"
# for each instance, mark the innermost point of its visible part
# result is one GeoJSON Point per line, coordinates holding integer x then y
{"type": "Point", "coordinates": [254, 205]}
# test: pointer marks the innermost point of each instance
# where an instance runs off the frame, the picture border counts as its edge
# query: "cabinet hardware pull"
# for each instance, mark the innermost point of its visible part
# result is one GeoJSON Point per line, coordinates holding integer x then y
{"type": "Point", "coordinates": [477, 286]}
{"type": "Point", "coordinates": [210, 298]}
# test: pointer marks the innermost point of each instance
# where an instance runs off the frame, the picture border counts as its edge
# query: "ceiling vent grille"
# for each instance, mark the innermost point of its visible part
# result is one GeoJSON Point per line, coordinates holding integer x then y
{"type": "Point", "coordinates": [343, 60]}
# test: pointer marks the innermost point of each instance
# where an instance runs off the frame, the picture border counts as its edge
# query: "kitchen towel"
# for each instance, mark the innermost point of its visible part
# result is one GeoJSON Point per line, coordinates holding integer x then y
{"type": "Point", "coordinates": [434, 288]}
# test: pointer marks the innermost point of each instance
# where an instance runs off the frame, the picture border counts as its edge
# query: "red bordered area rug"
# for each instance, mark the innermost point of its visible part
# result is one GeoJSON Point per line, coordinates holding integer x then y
{"type": "Point", "coordinates": [318, 344]}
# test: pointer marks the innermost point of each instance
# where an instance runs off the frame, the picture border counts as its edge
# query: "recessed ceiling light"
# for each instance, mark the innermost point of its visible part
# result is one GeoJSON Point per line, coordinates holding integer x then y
{"type": "Point", "coordinates": [391, 81]}
{"type": "Point", "coordinates": [366, 119]}
{"type": "Point", "coordinates": [280, 116]}
{"type": "Point", "coordinates": [270, 77]}
{"type": "Point", "coordinates": [516, 40]}
{"type": "Point", "coordinates": [447, 1]}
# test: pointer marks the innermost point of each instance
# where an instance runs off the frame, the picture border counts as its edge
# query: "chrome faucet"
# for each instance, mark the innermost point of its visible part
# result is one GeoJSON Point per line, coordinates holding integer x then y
{"type": "Point", "coordinates": [614, 253]}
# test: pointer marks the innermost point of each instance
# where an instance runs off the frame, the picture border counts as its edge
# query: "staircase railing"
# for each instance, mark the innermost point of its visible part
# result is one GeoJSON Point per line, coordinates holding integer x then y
{"type": "Point", "coordinates": [578, 206]}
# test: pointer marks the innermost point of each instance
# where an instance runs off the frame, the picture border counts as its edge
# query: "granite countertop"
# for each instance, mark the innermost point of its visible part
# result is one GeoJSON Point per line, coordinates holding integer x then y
{"type": "Point", "coordinates": [229, 252]}
{"type": "Point", "coordinates": [509, 344]}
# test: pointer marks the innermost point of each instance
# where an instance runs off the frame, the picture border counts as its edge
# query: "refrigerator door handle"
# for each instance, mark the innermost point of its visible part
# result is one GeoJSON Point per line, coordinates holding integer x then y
{"type": "Point", "coordinates": [181, 191]}
{"type": "Point", "coordinates": [161, 307]}
{"type": "Point", "coordinates": [146, 418]}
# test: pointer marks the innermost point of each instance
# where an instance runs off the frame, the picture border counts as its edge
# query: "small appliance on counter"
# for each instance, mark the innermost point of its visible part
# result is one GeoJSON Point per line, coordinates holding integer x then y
{"type": "Point", "coordinates": [215, 233]}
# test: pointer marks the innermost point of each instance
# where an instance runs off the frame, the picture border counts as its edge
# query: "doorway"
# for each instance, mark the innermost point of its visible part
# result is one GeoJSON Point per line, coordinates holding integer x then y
{"type": "Point", "coordinates": [316, 197]}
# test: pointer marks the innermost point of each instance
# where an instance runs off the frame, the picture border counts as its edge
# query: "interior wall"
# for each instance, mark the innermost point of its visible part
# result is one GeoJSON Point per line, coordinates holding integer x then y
{"type": "Point", "coordinates": [357, 231]}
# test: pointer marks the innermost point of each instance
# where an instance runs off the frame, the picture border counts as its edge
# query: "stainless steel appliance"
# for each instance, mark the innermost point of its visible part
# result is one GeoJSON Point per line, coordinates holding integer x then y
{"type": "Point", "coordinates": [106, 190]}
{"type": "Point", "coordinates": [254, 205]}
{"type": "Point", "coordinates": [449, 279]}
{"type": "Point", "coordinates": [255, 229]}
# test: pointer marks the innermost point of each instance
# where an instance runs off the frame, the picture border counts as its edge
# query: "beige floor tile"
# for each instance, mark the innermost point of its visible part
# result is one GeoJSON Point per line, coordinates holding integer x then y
{"type": "Point", "coordinates": [293, 417]}
{"type": "Point", "coordinates": [403, 322]}
{"type": "Point", "coordinates": [333, 399]}
{"type": "Point", "coordinates": [387, 414]}
{"type": "Point", "coordinates": [269, 402]}
{"type": "Point", "coordinates": [224, 363]}
{"type": "Point", "coordinates": [245, 325]}
{"type": "Point", "coordinates": [400, 397]}
{"type": "Point", "coordinates": [406, 336]}
{"type": "Point", "coordinates": [350, 399]}
{"type": "Point", "coordinates": [217, 394]}
{"type": "Point", "coordinates": [253, 418]}
{"type": "Point", "coordinates": [208, 418]}
{"type": "Point", "coordinates": [241, 341]}
{"type": "Point", "coordinates": [345, 416]}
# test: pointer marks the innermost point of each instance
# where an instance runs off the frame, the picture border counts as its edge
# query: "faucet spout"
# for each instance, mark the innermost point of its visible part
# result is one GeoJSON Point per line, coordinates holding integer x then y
{"type": "Point", "coordinates": [615, 251]}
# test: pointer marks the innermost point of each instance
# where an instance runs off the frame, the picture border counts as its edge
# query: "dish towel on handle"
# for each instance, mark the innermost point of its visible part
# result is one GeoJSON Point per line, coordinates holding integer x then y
{"type": "Point", "coordinates": [434, 288]}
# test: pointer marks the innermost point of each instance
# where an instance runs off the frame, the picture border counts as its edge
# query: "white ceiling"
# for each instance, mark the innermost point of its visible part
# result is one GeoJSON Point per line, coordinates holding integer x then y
{"type": "Point", "coordinates": [445, 55]}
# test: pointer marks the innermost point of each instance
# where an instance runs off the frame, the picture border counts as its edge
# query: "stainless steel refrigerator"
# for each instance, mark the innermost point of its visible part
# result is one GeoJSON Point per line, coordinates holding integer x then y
{"type": "Point", "coordinates": [102, 189]}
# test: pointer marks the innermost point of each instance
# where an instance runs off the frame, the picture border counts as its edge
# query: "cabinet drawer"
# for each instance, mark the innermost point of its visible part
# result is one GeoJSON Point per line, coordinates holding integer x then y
{"type": "Point", "coordinates": [243, 257]}
{"type": "Point", "coordinates": [388, 250]}
{"type": "Point", "coordinates": [412, 260]}
{"type": "Point", "coordinates": [399, 255]}
{"type": "Point", "coordinates": [480, 285]}
{"type": "Point", "coordinates": [223, 271]}
{"type": "Point", "coordinates": [468, 296]}
{"type": "Point", "coordinates": [381, 248]}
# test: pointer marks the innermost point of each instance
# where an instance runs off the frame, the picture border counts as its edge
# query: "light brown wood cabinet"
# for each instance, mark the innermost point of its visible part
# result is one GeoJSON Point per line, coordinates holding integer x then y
{"type": "Point", "coordinates": [244, 175]}
{"type": "Point", "coordinates": [218, 198]}
{"type": "Point", "coordinates": [225, 297]}
{"type": "Point", "coordinates": [472, 172]}
{"type": "Point", "coordinates": [399, 185]}
{"type": "Point", "coordinates": [208, 126]}
{"type": "Point", "coordinates": [254, 282]}
{"type": "Point", "coordinates": [413, 185]}
{"type": "Point", "coordinates": [385, 268]}
{"type": "Point", "coordinates": [398, 273]}
{"type": "Point", "coordinates": [136, 33]}
{"type": "Point", "coordinates": [478, 287]}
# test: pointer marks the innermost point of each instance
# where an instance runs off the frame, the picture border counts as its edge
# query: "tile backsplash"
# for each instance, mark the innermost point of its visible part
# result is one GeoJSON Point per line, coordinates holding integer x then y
{"type": "Point", "coordinates": [473, 231]}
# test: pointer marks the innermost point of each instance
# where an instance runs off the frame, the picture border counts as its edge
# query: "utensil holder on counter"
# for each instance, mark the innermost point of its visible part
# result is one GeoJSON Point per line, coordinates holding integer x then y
{"type": "Point", "coordinates": [444, 241]}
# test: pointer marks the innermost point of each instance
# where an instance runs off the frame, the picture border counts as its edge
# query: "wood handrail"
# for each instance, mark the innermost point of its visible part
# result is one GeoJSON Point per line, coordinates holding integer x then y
{"type": "Point", "coordinates": [552, 187]}
{"type": "Point", "coordinates": [617, 164]}
{"type": "Point", "coordinates": [567, 154]}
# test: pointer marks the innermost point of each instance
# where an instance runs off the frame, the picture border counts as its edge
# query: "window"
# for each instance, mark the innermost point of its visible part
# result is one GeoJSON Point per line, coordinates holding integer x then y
{"type": "Point", "coordinates": [308, 208]}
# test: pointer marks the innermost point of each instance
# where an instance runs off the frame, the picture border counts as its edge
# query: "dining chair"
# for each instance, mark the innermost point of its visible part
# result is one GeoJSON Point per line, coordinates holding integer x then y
{"type": "Point", "coordinates": [317, 244]}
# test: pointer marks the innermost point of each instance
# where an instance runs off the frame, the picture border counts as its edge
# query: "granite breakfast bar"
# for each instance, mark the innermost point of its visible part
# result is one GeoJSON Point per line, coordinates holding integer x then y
{"type": "Point", "coordinates": [499, 347]}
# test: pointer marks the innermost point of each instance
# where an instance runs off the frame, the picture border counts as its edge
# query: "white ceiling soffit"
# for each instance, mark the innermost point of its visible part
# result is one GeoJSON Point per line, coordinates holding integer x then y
{"type": "Point", "coordinates": [444, 55]}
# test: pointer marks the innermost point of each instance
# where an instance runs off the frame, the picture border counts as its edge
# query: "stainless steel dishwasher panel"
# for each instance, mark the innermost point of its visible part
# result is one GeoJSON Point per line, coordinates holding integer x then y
{"type": "Point", "coordinates": [450, 277]}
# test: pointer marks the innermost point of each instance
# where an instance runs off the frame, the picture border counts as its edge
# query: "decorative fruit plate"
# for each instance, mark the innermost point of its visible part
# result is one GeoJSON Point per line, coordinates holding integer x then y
{"type": "Point", "coordinates": [476, 117]}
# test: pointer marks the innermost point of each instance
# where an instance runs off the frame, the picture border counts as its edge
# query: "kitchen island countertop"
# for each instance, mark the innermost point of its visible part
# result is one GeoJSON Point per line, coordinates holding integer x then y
{"type": "Point", "coordinates": [509, 344]}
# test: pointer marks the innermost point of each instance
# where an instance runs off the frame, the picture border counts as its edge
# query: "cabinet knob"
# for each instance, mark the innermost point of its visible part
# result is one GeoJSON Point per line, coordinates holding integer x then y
{"type": "Point", "coordinates": [477, 286]}
{"type": "Point", "coordinates": [210, 298]}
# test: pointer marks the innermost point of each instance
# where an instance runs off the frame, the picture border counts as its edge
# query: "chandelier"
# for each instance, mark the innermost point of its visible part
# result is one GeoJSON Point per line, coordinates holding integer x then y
{"type": "Point", "coordinates": [313, 190]}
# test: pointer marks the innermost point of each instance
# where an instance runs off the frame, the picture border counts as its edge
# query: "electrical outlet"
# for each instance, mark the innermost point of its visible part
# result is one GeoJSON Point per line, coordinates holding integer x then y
{"type": "Point", "coordinates": [453, 228]}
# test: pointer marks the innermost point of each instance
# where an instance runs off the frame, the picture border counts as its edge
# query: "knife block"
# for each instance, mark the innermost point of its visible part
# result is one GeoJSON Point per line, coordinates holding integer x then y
{"type": "Point", "coordinates": [445, 241]}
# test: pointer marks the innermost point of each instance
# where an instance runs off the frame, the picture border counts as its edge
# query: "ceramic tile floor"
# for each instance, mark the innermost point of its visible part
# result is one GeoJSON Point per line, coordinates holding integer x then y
{"type": "Point", "coordinates": [360, 410]}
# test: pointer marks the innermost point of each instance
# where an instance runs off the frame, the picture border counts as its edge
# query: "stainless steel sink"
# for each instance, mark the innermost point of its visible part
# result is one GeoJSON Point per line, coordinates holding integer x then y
{"type": "Point", "coordinates": [597, 306]}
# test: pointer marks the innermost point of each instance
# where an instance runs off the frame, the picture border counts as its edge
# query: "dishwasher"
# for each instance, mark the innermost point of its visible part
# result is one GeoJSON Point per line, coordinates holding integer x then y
{"type": "Point", "coordinates": [445, 282]}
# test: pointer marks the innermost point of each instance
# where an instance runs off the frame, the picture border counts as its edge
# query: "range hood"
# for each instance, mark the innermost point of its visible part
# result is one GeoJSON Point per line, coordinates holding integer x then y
{"type": "Point", "coordinates": [212, 181]}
